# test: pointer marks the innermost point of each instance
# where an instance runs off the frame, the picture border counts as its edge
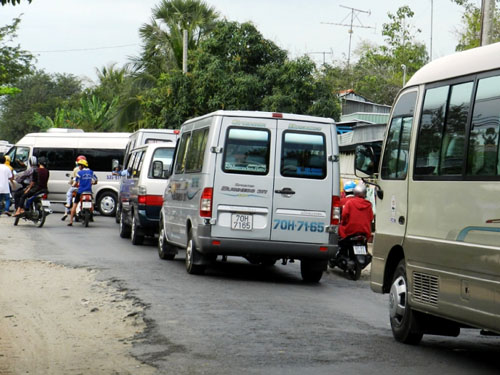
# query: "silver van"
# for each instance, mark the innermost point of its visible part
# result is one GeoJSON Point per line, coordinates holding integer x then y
{"type": "Point", "coordinates": [260, 185]}
{"type": "Point", "coordinates": [141, 190]}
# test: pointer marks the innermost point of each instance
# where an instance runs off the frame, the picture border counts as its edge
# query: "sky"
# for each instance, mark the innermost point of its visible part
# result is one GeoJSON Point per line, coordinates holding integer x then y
{"type": "Point", "coordinates": [80, 36]}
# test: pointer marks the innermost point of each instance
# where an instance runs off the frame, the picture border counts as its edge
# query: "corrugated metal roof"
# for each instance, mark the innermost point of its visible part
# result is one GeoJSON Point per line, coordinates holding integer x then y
{"type": "Point", "coordinates": [374, 118]}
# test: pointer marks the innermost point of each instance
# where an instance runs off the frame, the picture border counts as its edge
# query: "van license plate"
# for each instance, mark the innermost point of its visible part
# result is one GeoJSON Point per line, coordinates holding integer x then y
{"type": "Point", "coordinates": [359, 250]}
{"type": "Point", "coordinates": [241, 222]}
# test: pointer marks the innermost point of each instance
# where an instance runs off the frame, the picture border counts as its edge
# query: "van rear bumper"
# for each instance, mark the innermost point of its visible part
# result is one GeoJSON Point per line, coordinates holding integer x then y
{"type": "Point", "coordinates": [207, 244]}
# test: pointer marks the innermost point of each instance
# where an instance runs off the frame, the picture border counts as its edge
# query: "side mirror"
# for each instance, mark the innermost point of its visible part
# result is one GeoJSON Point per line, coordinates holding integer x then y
{"type": "Point", "coordinates": [157, 169]}
{"type": "Point", "coordinates": [365, 161]}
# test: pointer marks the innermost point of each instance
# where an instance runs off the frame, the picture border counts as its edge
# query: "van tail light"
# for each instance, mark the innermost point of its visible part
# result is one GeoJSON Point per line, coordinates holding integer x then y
{"type": "Point", "coordinates": [206, 202]}
{"type": "Point", "coordinates": [335, 218]}
{"type": "Point", "coordinates": [150, 200]}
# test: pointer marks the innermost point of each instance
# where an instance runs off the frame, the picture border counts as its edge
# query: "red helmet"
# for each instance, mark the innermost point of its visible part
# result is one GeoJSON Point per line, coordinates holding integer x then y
{"type": "Point", "coordinates": [80, 157]}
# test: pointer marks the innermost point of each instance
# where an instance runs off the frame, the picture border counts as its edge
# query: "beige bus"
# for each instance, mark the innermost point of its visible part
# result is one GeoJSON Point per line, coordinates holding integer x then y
{"type": "Point", "coordinates": [437, 242]}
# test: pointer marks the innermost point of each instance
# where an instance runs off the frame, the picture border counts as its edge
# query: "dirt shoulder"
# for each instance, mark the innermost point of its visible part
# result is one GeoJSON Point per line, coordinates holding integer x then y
{"type": "Point", "coordinates": [60, 320]}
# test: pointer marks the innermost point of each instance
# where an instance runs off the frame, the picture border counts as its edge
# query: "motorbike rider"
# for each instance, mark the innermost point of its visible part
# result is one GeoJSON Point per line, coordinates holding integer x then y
{"type": "Point", "coordinates": [357, 214]}
{"type": "Point", "coordinates": [348, 191]}
{"type": "Point", "coordinates": [85, 178]}
{"type": "Point", "coordinates": [69, 193]}
{"type": "Point", "coordinates": [23, 179]}
{"type": "Point", "coordinates": [39, 180]}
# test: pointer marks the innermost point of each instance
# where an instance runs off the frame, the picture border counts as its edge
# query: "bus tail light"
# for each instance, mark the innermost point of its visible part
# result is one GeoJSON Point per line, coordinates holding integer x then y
{"type": "Point", "coordinates": [206, 202]}
{"type": "Point", "coordinates": [335, 218]}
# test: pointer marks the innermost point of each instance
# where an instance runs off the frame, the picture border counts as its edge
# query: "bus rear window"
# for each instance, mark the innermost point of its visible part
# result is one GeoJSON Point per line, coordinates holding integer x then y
{"type": "Point", "coordinates": [303, 155]}
{"type": "Point", "coordinates": [246, 151]}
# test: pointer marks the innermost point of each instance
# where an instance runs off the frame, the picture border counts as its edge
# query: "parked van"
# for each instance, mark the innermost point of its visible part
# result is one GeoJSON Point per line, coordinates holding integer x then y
{"type": "Point", "coordinates": [260, 185]}
{"type": "Point", "coordinates": [141, 190]}
{"type": "Point", "coordinates": [61, 147]}
{"type": "Point", "coordinates": [437, 242]}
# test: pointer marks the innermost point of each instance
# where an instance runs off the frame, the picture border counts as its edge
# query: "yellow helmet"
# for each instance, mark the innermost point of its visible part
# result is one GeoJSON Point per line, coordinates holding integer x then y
{"type": "Point", "coordinates": [83, 162]}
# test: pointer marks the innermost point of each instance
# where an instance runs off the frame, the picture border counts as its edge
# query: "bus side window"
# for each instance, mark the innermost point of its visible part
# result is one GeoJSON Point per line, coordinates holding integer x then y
{"type": "Point", "coordinates": [483, 156]}
{"type": "Point", "coordinates": [396, 156]}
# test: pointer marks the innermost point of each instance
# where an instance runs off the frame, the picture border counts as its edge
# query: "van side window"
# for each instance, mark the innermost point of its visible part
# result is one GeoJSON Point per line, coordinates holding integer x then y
{"type": "Point", "coordinates": [246, 151]}
{"type": "Point", "coordinates": [19, 158]}
{"type": "Point", "coordinates": [303, 155]}
{"type": "Point", "coordinates": [196, 151]}
{"type": "Point", "coordinates": [180, 160]}
{"type": "Point", "coordinates": [59, 159]}
{"type": "Point", "coordinates": [100, 160]}
{"type": "Point", "coordinates": [483, 156]}
{"type": "Point", "coordinates": [395, 160]}
{"type": "Point", "coordinates": [136, 168]}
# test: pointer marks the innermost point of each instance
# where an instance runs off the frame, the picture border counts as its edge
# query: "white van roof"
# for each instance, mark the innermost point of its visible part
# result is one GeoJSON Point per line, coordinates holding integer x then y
{"type": "Point", "coordinates": [258, 114]}
{"type": "Point", "coordinates": [458, 64]}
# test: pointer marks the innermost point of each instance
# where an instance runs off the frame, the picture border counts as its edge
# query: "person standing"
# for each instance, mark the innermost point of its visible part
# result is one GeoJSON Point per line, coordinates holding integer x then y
{"type": "Point", "coordinates": [5, 177]}
{"type": "Point", "coordinates": [85, 178]}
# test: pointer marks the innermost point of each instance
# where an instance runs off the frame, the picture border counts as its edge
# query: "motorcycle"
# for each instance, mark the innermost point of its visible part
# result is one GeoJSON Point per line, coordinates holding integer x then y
{"type": "Point", "coordinates": [352, 256]}
{"type": "Point", "coordinates": [36, 209]}
{"type": "Point", "coordinates": [85, 208]}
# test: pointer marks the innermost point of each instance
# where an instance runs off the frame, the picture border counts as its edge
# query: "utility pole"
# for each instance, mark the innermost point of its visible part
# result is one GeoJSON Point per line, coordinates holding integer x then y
{"type": "Point", "coordinates": [487, 12]}
{"type": "Point", "coordinates": [184, 51]}
{"type": "Point", "coordinates": [324, 53]}
{"type": "Point", "coordinates": [354, 15]}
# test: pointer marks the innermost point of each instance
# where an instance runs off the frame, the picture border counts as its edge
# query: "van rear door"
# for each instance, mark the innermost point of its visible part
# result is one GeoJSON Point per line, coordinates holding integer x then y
{"type": "Point", "coordinates": [243, 186]}
{"type": "Point", "coordinates": [303, 182]}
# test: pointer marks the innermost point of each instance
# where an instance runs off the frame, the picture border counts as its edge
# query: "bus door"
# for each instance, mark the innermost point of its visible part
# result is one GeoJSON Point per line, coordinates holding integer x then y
{"type": "Point", "coordinates": [392, 209]}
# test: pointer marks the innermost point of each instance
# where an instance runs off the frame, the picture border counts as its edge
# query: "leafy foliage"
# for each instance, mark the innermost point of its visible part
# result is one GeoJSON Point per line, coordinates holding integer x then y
{"type": "Point", "coordinates": [13, 2]}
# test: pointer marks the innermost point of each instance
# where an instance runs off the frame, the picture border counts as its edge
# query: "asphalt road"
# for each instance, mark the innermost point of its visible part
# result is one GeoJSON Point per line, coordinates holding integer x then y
{"type": "Point", "coordinates": [244, 319]}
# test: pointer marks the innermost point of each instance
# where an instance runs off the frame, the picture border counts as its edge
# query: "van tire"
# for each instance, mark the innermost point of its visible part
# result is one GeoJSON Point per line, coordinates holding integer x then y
{"type": "Point", "coordinates": [404, 323]}
{"type": "Point", "coordinates": [124, 228]}
{"type": "Point", "coordinates": [107, 202]}
{"type": "Point", "coordinates": [192, 257]}
{"type": "Point", "coordinates": [165, 250]}
{"type": "Point", "coordinates": [312, 270]}
{"type": "Point", "coordinates": [135, 234]}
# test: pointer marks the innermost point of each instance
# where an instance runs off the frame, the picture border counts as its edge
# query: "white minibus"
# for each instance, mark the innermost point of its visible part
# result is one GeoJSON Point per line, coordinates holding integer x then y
{"type": "Point", "coordinates": [61, 147]}
{"type": "Point", "coordinates": [437, 243]}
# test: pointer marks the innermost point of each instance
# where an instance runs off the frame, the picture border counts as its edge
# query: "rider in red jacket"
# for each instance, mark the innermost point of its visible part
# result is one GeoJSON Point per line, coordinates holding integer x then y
{"type": "Point", "coordinates": [357, 214]}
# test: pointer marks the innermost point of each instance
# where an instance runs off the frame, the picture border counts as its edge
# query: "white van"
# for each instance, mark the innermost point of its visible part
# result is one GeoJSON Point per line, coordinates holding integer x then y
{"type": "Point", "coordinates": [260, 185]}
{"type": "Point", "coordinates": [141, 190]}
{"type": "Point", "coordinates": [61, 147]}
{"type": "Point", "coordinates": [437, 241]}
{"type": "Point", "coordinates": [147, 136]}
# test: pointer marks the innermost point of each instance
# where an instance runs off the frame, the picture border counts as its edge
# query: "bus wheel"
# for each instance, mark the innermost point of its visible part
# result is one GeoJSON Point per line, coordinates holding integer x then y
{"type": "Point", "coordinates": [106, 203]}
{"type": "Point", "coordinates": [404, 323]}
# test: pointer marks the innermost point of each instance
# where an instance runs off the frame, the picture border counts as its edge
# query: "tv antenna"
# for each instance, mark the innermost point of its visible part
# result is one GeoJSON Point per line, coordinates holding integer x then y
{"type": "Point", "coordinates": [354, 16]}
{"type": "Point", "coordinates": [324, 53]}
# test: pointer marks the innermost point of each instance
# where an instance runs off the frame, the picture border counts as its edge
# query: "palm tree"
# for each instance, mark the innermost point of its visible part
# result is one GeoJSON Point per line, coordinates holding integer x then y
{"type": "Point", "coordinates": [163, 35]}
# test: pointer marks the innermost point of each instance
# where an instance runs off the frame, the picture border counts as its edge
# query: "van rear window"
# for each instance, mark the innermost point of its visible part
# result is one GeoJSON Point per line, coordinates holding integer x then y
{"type": "Point", "coordinates": [303, 155]}
{"type": "Point", "coordinates": [246, 151]}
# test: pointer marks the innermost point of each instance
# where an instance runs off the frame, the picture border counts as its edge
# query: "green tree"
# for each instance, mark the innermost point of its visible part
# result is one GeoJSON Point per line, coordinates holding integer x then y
{"type": "Point", "coordinates": [163, 36]}
{"type": "Point", "coordinates": [13, 2]}
{"type": "Point", "coordinates": [237, 68]}
{"type": "Point", "coordinates": [40, 93]}
{"type": "Point", "coordinates": [470, 34]}
{"type": "Point", "coordinates": [14, 62]}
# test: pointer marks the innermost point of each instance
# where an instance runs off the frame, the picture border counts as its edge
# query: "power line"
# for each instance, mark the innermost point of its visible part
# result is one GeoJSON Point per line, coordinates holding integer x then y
{"type": "Point", "coordinates": [85, 49]}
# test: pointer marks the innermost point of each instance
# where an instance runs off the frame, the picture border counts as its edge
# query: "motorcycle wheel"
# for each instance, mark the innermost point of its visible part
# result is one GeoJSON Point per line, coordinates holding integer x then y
{"type": "Point", "coordinates": [86, 218]}
{"type": "Point", "coordinates": [355, 273]}
{"type": "Point", "coordinates": [41, 215]}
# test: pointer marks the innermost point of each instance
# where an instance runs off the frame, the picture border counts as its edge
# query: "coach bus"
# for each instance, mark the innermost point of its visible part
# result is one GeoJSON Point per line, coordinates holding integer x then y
{"type": "Point", "coordinates": [437, 244]}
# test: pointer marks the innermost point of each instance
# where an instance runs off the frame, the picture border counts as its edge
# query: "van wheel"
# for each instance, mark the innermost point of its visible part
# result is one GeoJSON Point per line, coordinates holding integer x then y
{"type": "Point", "coordinates": [192, 256]}
{"type": "Point", "coordinates": [165, 250]}
{"type": "Point", "coordinates": [124, 227]}
{"type": "Point", "coordinates": [404, 323]}
{"type": "Point", "coordinates": [312, 270]}
{"type": "Point", "coordinates": [135, 236]}
{"type": "Point", "coordinates": [106, 203]}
